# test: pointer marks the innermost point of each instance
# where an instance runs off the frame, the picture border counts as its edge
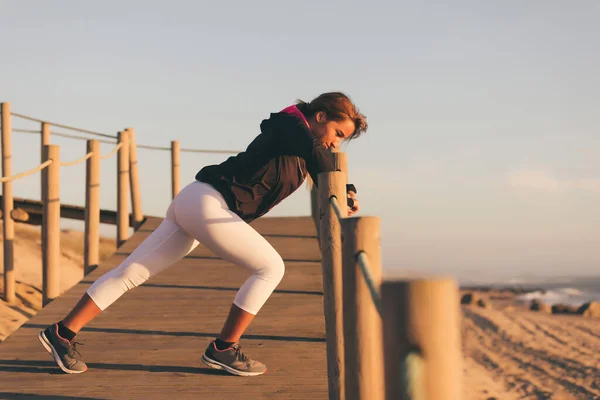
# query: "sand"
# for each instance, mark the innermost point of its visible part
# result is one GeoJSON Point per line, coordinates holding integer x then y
{"type": "Point", "coordinates": [509, 351]}
{"type": "Point", "coordinates": [513, 353]}
{"type": "Point", "coordinates": [28, 271]}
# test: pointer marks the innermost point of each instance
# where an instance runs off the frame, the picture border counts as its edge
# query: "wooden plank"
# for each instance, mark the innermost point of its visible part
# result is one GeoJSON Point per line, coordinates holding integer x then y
{"type": "Point", "coordinates": [148, 344]}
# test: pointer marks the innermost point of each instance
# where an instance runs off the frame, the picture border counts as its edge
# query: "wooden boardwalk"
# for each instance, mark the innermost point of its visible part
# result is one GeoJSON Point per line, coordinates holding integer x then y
{"type": "Point", "coordinates": [148, 344]}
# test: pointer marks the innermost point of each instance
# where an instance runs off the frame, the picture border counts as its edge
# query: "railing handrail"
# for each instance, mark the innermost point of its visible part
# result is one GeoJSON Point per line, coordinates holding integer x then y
{"type": "Point", "coordinates": [25, 173]}
{"type": "Point", "coordinates": [75, 162]}
{"type": "Point", "coordinates": [140, 146]}
{"type": "Point", "coordinates": [62, 126]}
{"type": "Point", "coordinates": [62, 164]}
{"type": "Point", "coordinates": [362, 260]}
{"type": "Point", "coordinates": [66, 135]}
{"type": "Point", "coordinates": [113, 151]}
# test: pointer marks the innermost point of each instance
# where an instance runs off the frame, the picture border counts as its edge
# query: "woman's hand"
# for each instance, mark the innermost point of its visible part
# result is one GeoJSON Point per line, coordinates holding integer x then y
{"type": "Point", "coordinates": [354, 209]}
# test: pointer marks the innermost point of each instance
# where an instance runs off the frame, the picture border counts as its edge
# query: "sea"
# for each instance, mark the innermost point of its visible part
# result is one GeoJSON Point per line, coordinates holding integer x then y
{"type": "Point", "coordinates": [573, 291]}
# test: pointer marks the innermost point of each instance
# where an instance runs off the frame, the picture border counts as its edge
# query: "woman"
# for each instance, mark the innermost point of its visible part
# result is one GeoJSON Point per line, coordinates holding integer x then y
{"type": "Point", "coordinates": [216, 210]}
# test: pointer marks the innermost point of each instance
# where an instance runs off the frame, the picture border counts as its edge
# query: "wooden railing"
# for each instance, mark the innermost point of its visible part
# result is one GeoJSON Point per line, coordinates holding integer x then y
{"type": "Point", "coordinates": [392, 339]}
{"type": "Point", "coordinates": [386, 339]}
{"type": "Point", "coordinates": [128, 189]}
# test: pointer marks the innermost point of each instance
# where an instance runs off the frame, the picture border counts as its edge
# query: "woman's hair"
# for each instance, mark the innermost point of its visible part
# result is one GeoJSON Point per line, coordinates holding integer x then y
{"type": "Point", "coordinates": [337, 106]}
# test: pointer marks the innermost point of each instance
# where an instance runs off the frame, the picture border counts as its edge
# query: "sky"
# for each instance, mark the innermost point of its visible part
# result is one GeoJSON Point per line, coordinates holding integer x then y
{"type": "Point", "coordinates": [482, 158]}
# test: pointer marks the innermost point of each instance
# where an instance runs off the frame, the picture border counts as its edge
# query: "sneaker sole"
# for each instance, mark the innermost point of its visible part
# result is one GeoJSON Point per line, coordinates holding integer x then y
{"type": "Point", "coordinates": [50, 349]}
{"type": "Point", "coordinates": [217, 365]}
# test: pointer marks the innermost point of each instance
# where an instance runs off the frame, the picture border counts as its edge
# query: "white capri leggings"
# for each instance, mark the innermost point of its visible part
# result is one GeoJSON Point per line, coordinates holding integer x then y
{"type": "Point", "coordinates": [197, 214]}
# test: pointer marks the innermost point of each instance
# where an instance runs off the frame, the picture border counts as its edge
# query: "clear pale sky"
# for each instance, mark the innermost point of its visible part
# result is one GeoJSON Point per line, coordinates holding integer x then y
{"type": "Point", "coordinates": [483, 154]}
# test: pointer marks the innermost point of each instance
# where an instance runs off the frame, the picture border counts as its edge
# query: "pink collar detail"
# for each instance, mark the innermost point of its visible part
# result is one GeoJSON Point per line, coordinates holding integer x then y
{"type": "Point", "coordinates": [293, 110]}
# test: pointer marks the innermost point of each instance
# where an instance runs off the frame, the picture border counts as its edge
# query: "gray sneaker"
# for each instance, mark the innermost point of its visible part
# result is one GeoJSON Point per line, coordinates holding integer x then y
{"type": "Point", "coordinates": [62, 350]}
{"type": "Point", "coordinates": [232, 360]}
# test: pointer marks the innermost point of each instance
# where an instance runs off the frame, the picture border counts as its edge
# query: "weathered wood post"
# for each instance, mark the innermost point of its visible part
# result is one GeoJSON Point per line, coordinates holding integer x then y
{"type": "Point", "coordinates": [51, 224]}
{"type": "Point", "coordinates": [333, 184]}
{"type": "Point", "coordinates": [422, 339]}
{"type": "Point", "coordinates": [362, 322]}
{"type": "Point", "coordinates": [175, 174]}
{"type": "Point", "coordinates": [134, 180]}
{"type": "Point", "coordinates": [314, 207]}
{"type": "Point", "coordinates": [91, 251]}
{"type": "Point", "coordinates": [7, 207]}
{"type": "Point", "coordinates": [340, 161]}
{"type": "Point", "coordinates": [122, 188]}
{"type": "Point", "coordinates": [45, 140]}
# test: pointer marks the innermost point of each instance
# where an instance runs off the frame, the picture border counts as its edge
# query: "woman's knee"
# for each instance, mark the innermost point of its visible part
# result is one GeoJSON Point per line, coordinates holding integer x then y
{"type": "Point", "coordinates": [132, 275]}
{"type": "Point", "coordinates": [274, 271]}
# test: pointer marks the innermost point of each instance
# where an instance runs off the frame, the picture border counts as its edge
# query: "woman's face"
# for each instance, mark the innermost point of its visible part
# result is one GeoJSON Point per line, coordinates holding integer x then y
{"type": "Point", "coordinates": [330, 133]}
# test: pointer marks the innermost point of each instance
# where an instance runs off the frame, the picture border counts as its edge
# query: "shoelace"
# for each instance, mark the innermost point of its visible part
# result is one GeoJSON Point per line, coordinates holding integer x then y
{"type": "Point", "coordinates": [73, 349]}
{"type": "Point", "coordinates": [238, 353]}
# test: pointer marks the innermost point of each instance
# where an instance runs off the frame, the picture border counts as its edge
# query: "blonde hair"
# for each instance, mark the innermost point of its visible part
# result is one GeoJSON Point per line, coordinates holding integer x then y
{"type": "Point", "coordinates": [338, 107]}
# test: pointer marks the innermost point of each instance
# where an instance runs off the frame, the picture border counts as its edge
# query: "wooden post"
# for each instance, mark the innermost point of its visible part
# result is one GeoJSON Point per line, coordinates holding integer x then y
{"type": "Point", "coordinates": [134, 181]}
{"type": "Point", "coordinates": [333, 184]}
{"type": "Point", "coordinates": [91, 250]}
{"type": "Point", "coordinates": [362, 323]}
{"type": "Point", "coordinates": [122, 187]}
{"type": "Point", "coordinates": [51, 224]}
{"type": "Point", "coordinates": [422, 339]}
{"type": "Point", "coordinates": [340, 160]}
{"type": "Point", "coordinates": [7, 207]}
{"type": "Point", "coordinates": [314, 209]}
{"type": "Point", "coordinates": [45, 140]}
{"type": "Point", "coordinates": [175, 175]}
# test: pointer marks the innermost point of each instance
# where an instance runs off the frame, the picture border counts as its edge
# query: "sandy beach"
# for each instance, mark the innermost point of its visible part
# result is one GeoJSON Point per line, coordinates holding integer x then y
{"type": "Point", "coordinates": [513, 353]}
{"type": "Point", "coordinates": [510, 352]}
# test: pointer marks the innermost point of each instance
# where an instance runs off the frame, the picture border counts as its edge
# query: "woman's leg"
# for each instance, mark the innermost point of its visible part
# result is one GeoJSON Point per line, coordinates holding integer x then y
{"type": "Point", "coordinates": [206, 217]}
{"type": "Point", "coordinates": [211, 222]}
{"type": "Point", "coordinates": [165, 246]}
{"type": "Point", "coordinates": [84, 311]}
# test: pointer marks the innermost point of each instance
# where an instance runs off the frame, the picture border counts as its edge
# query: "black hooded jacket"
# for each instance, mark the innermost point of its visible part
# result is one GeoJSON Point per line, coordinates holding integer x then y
{"type": "Point", "coordinates": [273, 166]}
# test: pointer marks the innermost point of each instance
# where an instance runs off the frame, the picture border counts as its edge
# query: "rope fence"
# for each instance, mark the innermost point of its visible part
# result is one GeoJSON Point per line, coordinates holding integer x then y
{"type": "Point", "coordinates": [362, 260]}
{"type": "Point", "coordinates": [364, 314]}
{"type": "Point", "coordinates": [113, 152]}
{"type": "Point", "coordinates": [26, 130]}
{"type": "Point", "coordinates": [363, 263]}
{"type": "Point", "coordinates": [336, 208]}
{"type": "Point", "coordinates": [139, 146]}
{"type": "Point", "coordinates": [62, 126]}
{"type": "Point", "coordinates": [416, 321]}
{"type": "Point", "coordinates": [26, 173]}
{"type": "Point", "coordinates": [82, 159]}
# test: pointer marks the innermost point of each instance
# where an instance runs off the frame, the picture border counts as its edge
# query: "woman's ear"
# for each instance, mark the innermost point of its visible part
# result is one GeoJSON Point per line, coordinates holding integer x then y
{"type": "Point", "coordinates": [321, 117]}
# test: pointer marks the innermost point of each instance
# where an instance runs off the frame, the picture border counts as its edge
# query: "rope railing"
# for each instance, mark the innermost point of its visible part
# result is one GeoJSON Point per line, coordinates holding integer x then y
{"type": "Point", "coordinates": [139, 146]}
{"type": "Point", "coordinates": [62, 126]}
{"type": "Point", "coordinates": [352, 305]}
{"type": "Point", "coordinates": [26, 130]}
{"type": "Point", "coordinates": [362, 261]}
{"type": "Point", "coordinates": [411, 316]}
{"type": "Point", "coordinates": [65, 135]}
{"type": "Point", "coordinates": [336, 208]}
{"type": "Point", "coordinates": [71, 163]}
{"type": "Point", "coordinates": [210, 151]}
{"type": "Point", "coordinates": [114, 151]}
{"type": "Point", "coordinates": [26, 173]}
